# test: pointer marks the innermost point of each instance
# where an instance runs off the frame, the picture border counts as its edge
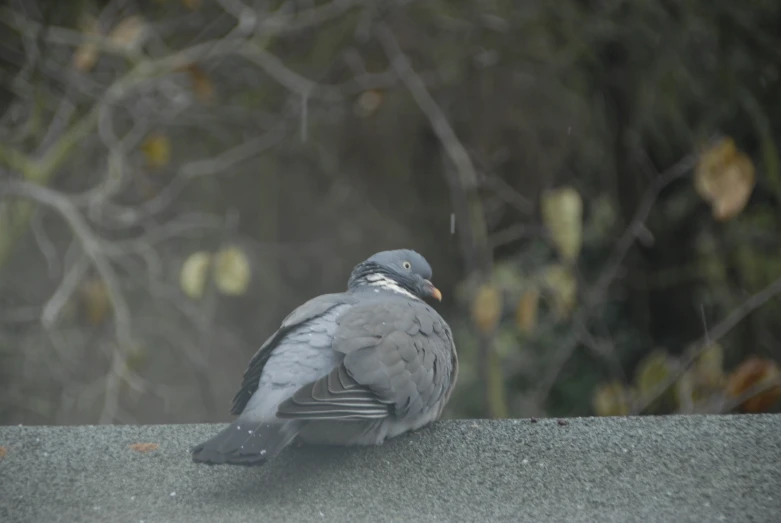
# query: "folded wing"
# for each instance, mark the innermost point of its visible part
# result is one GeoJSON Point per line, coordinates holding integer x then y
{"type": "Point", "coordinates": [398, 361]}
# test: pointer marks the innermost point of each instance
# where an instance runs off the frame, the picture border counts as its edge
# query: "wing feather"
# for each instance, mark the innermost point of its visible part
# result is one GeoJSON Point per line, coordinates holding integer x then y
{"type": "Point", "coordinates": [311, 309]}
{"type": "Point", "coordinates": [399, 361]}
{"type": "Point", "coordinates": [335, 396]}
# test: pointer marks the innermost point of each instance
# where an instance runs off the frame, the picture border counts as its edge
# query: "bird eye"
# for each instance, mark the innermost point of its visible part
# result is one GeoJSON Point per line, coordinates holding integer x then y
{"type": "Point", "coordinates": [407, 265]}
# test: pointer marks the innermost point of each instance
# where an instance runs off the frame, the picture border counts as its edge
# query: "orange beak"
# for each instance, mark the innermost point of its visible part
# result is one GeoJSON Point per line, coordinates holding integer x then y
{"type": "Point", "coordinates": [433, 291]}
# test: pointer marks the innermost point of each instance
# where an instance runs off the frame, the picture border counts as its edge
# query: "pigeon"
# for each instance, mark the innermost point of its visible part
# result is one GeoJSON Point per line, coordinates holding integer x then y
{"type": "Point", "coordinates": [351, 368]}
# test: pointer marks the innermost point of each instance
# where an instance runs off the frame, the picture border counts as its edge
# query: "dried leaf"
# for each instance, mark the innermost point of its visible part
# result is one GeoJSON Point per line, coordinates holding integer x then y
{"type": "Point", "coordinates": [195, 270]}
{"type": "Point", "coordinates": [526, 312]}
{"type": "Point", "coordinates": [751, 372]}
{"type": "Point", "coordinates": [563, 286]}
{"type": "Point", "coordinates": [129, 32]}
{"type": "Point", "coordinates": [725, 178]}
{"type": "Point", "coordinates": [486, 308]}
{"type": "Point", "coordinates": [157, 150]}
{"type": "Point", "coordinates": [562, 213]}
{"type": "Point", "coordinates": [3, 452]}
{"type": "Point", "coordinates": [611, 399]}
{"type": "Point", "coordinates": [143, 447]}
{"type": "Point", "coordinates": [192, 5]}
{"type": "Point", "coordinates": [85, 56]}
{"type": "Point", "coordinates": [202, 84]}
{"type": "Point", "coordinates": [232, 271]}
{"type": "Point", "coordinates": [87, 53]}
{"type": "Point", "coordinates": [368, 103]}
{"type": "Point", "coordinates": [96, 300]}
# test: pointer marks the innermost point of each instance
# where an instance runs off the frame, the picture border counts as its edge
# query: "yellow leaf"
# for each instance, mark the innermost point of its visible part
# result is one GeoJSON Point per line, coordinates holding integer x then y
{"type": "Point", "coordinates": [526, 313]}
{"type": "Point", "coordinates": [563, 286]}
{"type": "Point", "coordinates": [652, 372]}
{"type": "Point", "coordinates": [704, 379]}
{"type": "Point", "coordinates": [562, 214]}
{"type": "Point", "coordinates": [192, 278]}
{"type": "Point", "coordinates": [487, 308]}
{"type": "Point", "coordinates": [192, 5]}
{"type": "Point", "coordinates": [157, 150]}
{"type": "Point", "coordinates": [368, 103]}
{"type": "Point", "coordinates": [128, 33]}
{"type": "Point", "coordinates": [232, 271]}
{"type": "Point", "coordinates": [724, 178]}
{"type": "Point", "coordinates": [709, 366]}
{"type": "Point", "coordinates": [96, 300]}
{"type": "Point", "coordinates": [686, 391]}
{"type": "Point", "coordinates": [611, 399]}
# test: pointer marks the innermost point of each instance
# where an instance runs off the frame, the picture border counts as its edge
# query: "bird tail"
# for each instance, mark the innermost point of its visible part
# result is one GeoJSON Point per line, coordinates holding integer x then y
{"type": "Point", "coordinates": [245, 443]}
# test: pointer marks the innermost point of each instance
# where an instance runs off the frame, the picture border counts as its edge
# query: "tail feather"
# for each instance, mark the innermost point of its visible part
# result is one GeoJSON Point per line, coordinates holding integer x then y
{"type": "Point", "coordinates": [245, 443]}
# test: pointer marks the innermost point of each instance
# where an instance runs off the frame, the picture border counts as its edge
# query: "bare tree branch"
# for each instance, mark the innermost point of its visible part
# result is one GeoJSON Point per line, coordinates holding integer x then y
{"type": "Point", "coordinates": [608, 273]}
{"type": "Point", "coordinates": [63, 35]}
{"type": "Point", "coordinates": [93, 249]}
{"type": "Point", "coordinates": [287, 77]}
{"type": "Point", "coordinates": [465, 184]}
{"type": "Point", "coordinates": [281, 23]}
{"type": "Point", "coordinates": [718, 332]}
{"type": "Point", "coordinates": [64, 292]}
{"type": "Point", "coordinates": [14, 159]}
{"type": "Point", "coordinates": [730, 404]}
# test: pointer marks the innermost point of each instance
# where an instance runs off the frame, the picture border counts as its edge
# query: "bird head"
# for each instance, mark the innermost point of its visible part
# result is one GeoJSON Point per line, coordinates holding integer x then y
{"type": "Point", "coordinates": [396, 270]}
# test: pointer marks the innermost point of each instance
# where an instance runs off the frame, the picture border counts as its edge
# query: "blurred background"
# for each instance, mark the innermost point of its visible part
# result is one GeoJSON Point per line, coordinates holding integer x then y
{"type": "Point", "coordinates": [596, 184]}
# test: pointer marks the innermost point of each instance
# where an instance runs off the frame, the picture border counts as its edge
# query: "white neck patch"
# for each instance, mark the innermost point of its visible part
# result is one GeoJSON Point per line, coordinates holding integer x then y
{"type": "Point", "coordinates": [380, 281]}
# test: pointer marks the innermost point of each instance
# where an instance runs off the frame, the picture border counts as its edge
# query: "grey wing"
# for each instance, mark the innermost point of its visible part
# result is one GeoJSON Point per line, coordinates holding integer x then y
{"type": "Point", "coordinates": [399, 360]}
{"type": "Point", "coordinates": [312, 309]}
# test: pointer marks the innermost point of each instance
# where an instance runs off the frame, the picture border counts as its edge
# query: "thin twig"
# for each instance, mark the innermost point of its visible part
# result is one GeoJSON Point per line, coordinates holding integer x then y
{"type": "Point", "coordinates": [754, 390]}
{"type": "Point", "coordinates": [513, 233]}
{"type": "Point", "coordinates": [284, 23]}
{"type": "Point", "coordinates": [62, 35]}
{"type": "Point", "coordinates": [507, 192]}
{"type": "Point", "coordinates": [608, 274]}
{"type": "Point", "coordinates": [45, 244]}
{"type": "Point", "coordinates": [562, 355]}
{"type": "Point", "coordinates": [304, 87]}
{"type": "Point", "coordinates": [464, 186]}
{"type": "Point", "coordinates": [39, 171]}
{"type": "Point", "coordinates": [92, 247]}
{"type": "Point", "coordinates": [223, 163]}
{"type": "Point", "coordinates": [288, 78]}
{"type": "Point", "coordinates": [62, 295]}
{"type": "Point", "coordinates": [715, 334]}
{"type": "Point", "coordinates": [14, 159]}
{"type": "Point", "coordinates": [635, 228]}
{"type": "Point", "coordinates": [467, 175]}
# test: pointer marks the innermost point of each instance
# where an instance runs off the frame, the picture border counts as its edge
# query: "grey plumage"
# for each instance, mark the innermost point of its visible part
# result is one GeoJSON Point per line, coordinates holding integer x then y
{"type": "Point", "coordinates": [352, 368]}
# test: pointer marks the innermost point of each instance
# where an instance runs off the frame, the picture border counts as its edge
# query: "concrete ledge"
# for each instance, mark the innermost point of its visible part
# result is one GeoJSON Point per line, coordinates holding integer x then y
{"type": "Point", "coordinates": [666, 469]}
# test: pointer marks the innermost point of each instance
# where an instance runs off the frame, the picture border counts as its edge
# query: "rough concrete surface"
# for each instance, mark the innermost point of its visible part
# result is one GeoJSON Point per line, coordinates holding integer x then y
{"type": "Point", "coordinates": [666, 469]}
